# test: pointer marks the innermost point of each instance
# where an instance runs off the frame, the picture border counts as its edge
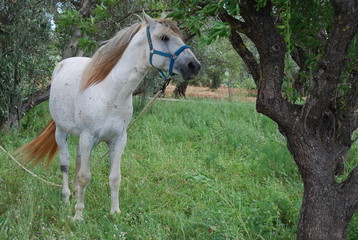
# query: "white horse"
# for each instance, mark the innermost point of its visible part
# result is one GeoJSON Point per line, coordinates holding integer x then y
{"type": "Point", "coordinates": [92, 98]}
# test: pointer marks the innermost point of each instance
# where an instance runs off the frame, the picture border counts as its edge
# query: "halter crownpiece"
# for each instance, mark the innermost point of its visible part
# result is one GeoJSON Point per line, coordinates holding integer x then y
{"type": "Point", "coordinates": [172, 57]}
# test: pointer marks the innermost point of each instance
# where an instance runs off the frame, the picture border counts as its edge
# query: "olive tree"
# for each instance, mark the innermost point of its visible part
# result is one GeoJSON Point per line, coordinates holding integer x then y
{"type": "Point", "coordinates": [26, 55]}
{"type": "Point", "coordinates": [315, 107]}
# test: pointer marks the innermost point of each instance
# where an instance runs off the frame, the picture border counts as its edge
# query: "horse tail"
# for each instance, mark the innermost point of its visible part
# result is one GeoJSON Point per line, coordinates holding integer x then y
{"type": "Point", "coordinates": [43, 147]}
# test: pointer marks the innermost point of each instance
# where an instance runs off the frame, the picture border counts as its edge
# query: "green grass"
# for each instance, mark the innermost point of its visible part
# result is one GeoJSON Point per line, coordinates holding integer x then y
{"type": "Point", "coordinates": [191, 170]}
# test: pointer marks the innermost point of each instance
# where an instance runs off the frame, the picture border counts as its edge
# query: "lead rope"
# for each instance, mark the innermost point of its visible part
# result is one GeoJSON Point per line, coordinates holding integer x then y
{"type": "Point", "coordinates": [161, 91]}
{"type": "Point", "coordinates": [27, 170]}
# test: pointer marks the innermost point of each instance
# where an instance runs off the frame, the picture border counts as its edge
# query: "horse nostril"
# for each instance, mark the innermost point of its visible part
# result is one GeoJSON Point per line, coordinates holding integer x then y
{"type": "Point", "coordinates": [191, 66]}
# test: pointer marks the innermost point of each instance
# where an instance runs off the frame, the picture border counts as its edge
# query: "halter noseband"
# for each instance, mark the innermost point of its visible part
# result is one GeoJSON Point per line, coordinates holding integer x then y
{"type": "Point", "coordinates": [172, 57]}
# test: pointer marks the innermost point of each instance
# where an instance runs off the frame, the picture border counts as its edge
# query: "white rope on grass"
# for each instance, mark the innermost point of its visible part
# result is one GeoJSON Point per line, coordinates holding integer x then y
{"type": "Point", "coordinates": [27, 170]}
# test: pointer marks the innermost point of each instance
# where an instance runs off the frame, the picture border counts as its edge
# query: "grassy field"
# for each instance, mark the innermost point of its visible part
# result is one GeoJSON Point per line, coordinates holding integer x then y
{"type": "Point", "coordinates": [191, 170]}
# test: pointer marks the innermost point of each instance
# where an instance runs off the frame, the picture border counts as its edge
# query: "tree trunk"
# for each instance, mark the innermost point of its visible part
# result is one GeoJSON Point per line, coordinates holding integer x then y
{"type": "Point", "coordinates": [322, 216]}
{"type": "Point", "coordinates": [71, 49]}
{"type": "Point", "coordinates": [229, 89]}
{"type": "Point", "coordinates": [11, 121]}
{"type": "Point", "coordinates": [180, 89]}
{"type": "Point", "coordinates": [324, 212]}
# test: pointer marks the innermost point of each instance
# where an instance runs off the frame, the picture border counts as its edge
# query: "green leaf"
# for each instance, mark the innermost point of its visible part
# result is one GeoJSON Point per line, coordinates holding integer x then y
{"type": "Point", "coordinates": [281, 26]}
{"type": "Point", "coordinates": [219, 29]}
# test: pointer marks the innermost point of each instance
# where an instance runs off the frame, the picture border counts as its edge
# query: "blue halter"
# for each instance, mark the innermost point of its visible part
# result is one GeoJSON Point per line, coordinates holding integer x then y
{"type": "Point", "coordinates": [172, 57]}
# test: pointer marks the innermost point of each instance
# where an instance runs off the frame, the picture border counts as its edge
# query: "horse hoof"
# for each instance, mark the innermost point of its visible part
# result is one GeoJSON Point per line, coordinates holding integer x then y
{"type": "Point", "coordinates": [78, 217]}
{"type": "Point", "coordinates": [115, 212]}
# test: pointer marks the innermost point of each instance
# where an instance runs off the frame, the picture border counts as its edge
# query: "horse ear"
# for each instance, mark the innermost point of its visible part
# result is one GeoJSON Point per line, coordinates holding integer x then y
{"type": "Point", "coordinates": [164, 15]}
{"type": "Point", "coordinates": [150, 21]}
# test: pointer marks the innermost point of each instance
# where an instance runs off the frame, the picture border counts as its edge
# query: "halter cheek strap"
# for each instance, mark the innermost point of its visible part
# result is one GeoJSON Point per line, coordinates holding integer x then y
{"type": "Point", "coordinates": [172, 57]}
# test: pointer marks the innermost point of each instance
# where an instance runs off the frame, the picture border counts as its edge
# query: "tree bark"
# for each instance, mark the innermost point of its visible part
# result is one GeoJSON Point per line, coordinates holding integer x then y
{"type": "Point", "coordinates": [322, 216]}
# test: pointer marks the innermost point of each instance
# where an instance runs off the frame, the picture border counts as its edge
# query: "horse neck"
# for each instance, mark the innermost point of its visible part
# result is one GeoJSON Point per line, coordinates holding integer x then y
{"type": "Point", "coordinates": [129, 70]}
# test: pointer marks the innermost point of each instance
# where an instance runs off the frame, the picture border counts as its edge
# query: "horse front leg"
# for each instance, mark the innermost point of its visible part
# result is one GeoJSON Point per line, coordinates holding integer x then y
{"type": "Point", "coordinates": [116, 148]}
{"type": "Point", "coordinates": [86, 144]}
{"type": "Point", "coordinates": [61, 140]}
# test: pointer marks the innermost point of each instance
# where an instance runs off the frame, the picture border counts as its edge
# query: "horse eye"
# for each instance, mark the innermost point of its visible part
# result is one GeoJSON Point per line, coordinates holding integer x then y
{"type": "Point", "coordinates": [164, 38]}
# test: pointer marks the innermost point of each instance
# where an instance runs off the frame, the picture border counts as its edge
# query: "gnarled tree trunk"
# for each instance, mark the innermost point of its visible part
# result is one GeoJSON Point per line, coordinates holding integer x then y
{"type": "Point", "coordinates": [326, 208]}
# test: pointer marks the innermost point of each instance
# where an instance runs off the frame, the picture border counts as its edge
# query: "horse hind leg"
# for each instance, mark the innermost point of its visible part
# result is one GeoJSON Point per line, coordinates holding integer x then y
{"type": "Point", "coordinates": [116, 148]}
{"type": "Point", "coordinates": [78, 166]}
{"type": "Point", "coordinates": [84, 174]}
{"type": "Point", "coordinates": [61, 140]}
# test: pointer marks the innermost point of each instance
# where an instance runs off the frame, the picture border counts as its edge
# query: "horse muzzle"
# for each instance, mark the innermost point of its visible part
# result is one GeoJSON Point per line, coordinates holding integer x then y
{"type": "Point", "coordinates": [188, 68]}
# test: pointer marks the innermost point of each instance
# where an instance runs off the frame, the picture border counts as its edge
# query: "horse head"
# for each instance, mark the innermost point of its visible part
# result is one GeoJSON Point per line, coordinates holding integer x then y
{"type": "Point", "coordinates": [167, 51]}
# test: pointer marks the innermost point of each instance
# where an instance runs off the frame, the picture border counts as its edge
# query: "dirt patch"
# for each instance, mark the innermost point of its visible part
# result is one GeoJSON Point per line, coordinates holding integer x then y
{"type": "Point", "coordinates": [237, 94]}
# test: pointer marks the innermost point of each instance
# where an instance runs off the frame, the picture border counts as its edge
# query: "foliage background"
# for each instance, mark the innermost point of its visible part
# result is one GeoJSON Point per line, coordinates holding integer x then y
{"type": "Point", "coordinates": [27, 53]}
{"type": "Point", "coordinates": [222, 174]}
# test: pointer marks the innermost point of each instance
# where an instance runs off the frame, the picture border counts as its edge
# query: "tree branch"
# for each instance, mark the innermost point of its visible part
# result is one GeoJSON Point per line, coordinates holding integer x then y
{"type": "Point", "coordinates": [299, 55]}
{"type": "Point", "coordinates": [333, 62]}
{"type": "Point", "coordinates": [235, 24]}
{"type": "Point", "coordinates": [302, 79]}
{"type": "Point", "coordinates": [350, 189]}
{"type": "Point", "coordinates": [348, 107]}
{"type": "Point", "coordinates": [87, 7]}
{"type": "Point", "coordinates": [351, 99]}
{"type": "Point", "coordinates": [239, 45]}
{"type": "Point", "coordinates": [122, 18]}
{"type": "Point", "coordinates": [246, 55]}
{"type": "Point", "coordinates": [260, 28]}
{"type": "Point", "coordinates": [35, 99]}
